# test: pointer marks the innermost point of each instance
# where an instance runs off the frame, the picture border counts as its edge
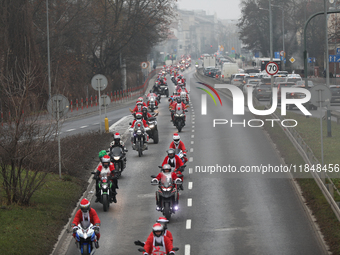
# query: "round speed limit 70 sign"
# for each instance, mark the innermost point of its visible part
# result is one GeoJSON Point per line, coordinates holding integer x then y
{"type": "Point", "coordinates": [272, 68]}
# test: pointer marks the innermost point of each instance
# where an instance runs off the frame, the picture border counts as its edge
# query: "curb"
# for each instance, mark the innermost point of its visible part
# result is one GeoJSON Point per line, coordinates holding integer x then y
{"type": "Point", "coordinates": [64, 238]}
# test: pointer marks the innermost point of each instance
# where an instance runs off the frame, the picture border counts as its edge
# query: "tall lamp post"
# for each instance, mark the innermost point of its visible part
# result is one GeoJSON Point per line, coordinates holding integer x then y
{"type": "Point", "coordinates": [270, 39]}
{"type": "Point", "coordinates": [283, 31]}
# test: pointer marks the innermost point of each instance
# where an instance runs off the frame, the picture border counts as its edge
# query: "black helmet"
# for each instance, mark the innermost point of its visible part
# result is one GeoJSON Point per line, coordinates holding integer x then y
{"type": "Point", "coordinates": [178, 99]}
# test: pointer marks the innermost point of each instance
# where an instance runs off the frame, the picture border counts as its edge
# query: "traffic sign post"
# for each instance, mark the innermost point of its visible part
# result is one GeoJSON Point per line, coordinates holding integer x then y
{"type": "Point", "coordinates": [99, 82]}
{"type": "Point", "coordinates": [321, 96]}
{"type": "Point", "coordinates": [58, 106]}
{"type": "Point", "coordinates": [272, 68]}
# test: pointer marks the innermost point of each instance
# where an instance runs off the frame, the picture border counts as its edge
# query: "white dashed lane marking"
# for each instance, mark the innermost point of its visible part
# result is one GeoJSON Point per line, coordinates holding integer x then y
{"type": "Point", "coordinates": [190, 185]}
{"type": "Point", "coordinates": [192, 142]}
{"type": "Point", "coordinates": [190, 170]}
{"type": "Point", "coordinates": [189, 202]}
{"type": "Point", "coordinates": [83, 126]}
{"type": "Point", "coordinates": [191, 149]}
{"type": "Point", "coordinates": [188, 224]}
{"type": "Point", "coordinates": [187, 249]}
{"type": "Point", "coordinates": [72, 129]}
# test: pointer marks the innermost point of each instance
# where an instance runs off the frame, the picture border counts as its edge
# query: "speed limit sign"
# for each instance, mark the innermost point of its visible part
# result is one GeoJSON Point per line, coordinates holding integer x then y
{"type": "Point", "coordinates": [272, 68]}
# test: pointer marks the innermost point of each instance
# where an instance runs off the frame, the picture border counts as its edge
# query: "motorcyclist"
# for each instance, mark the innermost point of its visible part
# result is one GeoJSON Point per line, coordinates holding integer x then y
{"type": "Point", "coordinates": [158, 242]}
{"type": "Point", "coordinates": [117, 142]}
{"type": "Point", "coordinates": [139, 116]}
{"type": "Point", "coordinates": [163, 221]}
{"type": "Point", "coordinates": [106, 166]}
{"type": "Point", "coordinates": [166, 169]}
{"type": "Point", "coordinates": [86, 215]}
{"type": "Point", "coordinates": [101, 154]}
{"type": "Point", "coordinates": [178, 105]}
{"type": "Point", "coordinates": [178, 144]}
{"type": "Point", "coordinates": [145, 113]}
{"type": "Point", "coordinates": [139, 105]}
{"type": "Point", "coordinates": [173, 160]}
{"type": "Point", "coordinates": [154, 95]}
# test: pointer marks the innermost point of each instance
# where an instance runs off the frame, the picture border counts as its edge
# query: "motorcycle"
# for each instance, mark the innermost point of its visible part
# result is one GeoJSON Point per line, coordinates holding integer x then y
{"type": "Point", "coordinates": [167, 193]}
{"type": "Point", "coordinates": [153, 132]}
{"type": "Point", "coordinates": [179, 119]}
{"type": "Point", "coordinates": [86, 238]}
{"type": "Point", "coordinates": [105, 187]}
{"type": "Point", "coordinates": [118, 158]}
{"type": "Point", "coordinates": [155, 252]}
{"type": "Point", "coordinates": [164, 90]}
{"type": "Point", "coordinates": [138, 133]}
{"type": "Point", "coordinates": [180, 154]}
{"type": "Point", "coordinates": [152, 103]}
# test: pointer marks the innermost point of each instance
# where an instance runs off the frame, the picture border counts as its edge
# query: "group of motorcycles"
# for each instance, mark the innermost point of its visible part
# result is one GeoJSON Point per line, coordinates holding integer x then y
{"type": "Point", "coordinates": [168, 189]}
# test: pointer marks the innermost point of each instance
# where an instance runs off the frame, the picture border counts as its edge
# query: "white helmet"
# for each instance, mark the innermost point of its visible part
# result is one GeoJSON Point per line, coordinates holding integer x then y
{"type": "Point", "coordinates": [176, 138]}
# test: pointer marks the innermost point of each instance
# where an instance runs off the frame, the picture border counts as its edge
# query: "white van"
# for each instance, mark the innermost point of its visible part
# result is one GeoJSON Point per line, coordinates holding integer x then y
{"type": "Point", "coordinates": [228, 69]}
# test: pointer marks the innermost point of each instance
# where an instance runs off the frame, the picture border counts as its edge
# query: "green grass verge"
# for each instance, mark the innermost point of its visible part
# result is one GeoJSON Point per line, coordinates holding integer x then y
{"type": "Point", "coordinates": [309, 128]}
{"type": "Point", "coordinates": [34, 229]}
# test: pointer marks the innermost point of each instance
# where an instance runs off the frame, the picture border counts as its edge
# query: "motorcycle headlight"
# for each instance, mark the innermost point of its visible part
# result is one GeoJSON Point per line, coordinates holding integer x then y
{"type": "Point", "coordinates": [181, 115]}
{"type": "Point", "coordinates": [166, 189]}
{"type": "Point", "coordinates": [104, 186]}
{"type": "Point", "coordinates": [139, 132]}
{"type": "Point", "coordinates": [152, 126]}
{"type": "Point", "coordinates": [116, 158]}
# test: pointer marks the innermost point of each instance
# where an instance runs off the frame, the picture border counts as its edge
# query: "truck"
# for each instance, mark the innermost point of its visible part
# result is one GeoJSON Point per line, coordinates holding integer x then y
{"type": "Point", "coordinates": [228, 69]}
{"type": "Point", "coordinates": [209, 61]}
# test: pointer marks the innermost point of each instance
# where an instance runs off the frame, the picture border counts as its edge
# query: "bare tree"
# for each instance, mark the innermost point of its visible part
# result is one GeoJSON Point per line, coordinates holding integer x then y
{"type": "Point", "coordinates": [26, 137]}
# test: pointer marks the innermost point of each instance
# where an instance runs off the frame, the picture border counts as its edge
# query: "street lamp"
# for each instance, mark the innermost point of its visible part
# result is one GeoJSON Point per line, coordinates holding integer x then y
{"type": "Point", "coordinates": [270, 40]}
{"type": "Point", "coordinates": [283, 31]}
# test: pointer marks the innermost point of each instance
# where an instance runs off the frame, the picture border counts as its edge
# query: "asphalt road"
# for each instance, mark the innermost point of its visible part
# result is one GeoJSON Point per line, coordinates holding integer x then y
{"type": "Point", "coordinates": [220, 213]}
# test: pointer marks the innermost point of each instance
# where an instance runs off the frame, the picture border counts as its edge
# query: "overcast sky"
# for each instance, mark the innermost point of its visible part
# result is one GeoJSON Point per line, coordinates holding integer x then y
{"type": "Point", "coordinates": [225, 9]}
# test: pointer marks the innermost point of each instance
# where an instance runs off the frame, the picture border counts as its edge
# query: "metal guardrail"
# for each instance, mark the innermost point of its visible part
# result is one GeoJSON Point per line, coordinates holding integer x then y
{"type": "Point", "coordinates": [304, 150]}
{"type": "Point", "coordinates": [307, 154]}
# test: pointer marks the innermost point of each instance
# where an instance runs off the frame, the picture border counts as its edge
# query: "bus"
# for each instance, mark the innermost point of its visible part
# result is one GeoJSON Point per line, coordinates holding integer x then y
{"type": "Point", "coordinates": [262, 62]}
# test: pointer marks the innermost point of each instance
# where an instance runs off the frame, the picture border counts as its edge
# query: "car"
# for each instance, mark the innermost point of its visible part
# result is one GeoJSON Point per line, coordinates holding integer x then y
{"type": "Point", "coordinates": [237, 79]}
{"type": "Point", "coordinates": [207, 70]}
{"type": "Point", "coordinates": [310, 83]}
{"type": "Point", "coordinates": [294, 79]}
{"type": "Point", "coordinates": [250, 80]}
{"type": "Point", "coordinates": [297, 95]}
{"type": "Point", "coordinates": [279, 87]}
{"type": "Point", "coordinates": [278, 80]}
{"type": "Point", "coordinates": [335, 89]}
{"type": "Point", "coordinates": [212, 72]}
{"type": "Point", "coordinates": [262, 91]}
{"type": "Point", "coordinates": [251, 83]}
